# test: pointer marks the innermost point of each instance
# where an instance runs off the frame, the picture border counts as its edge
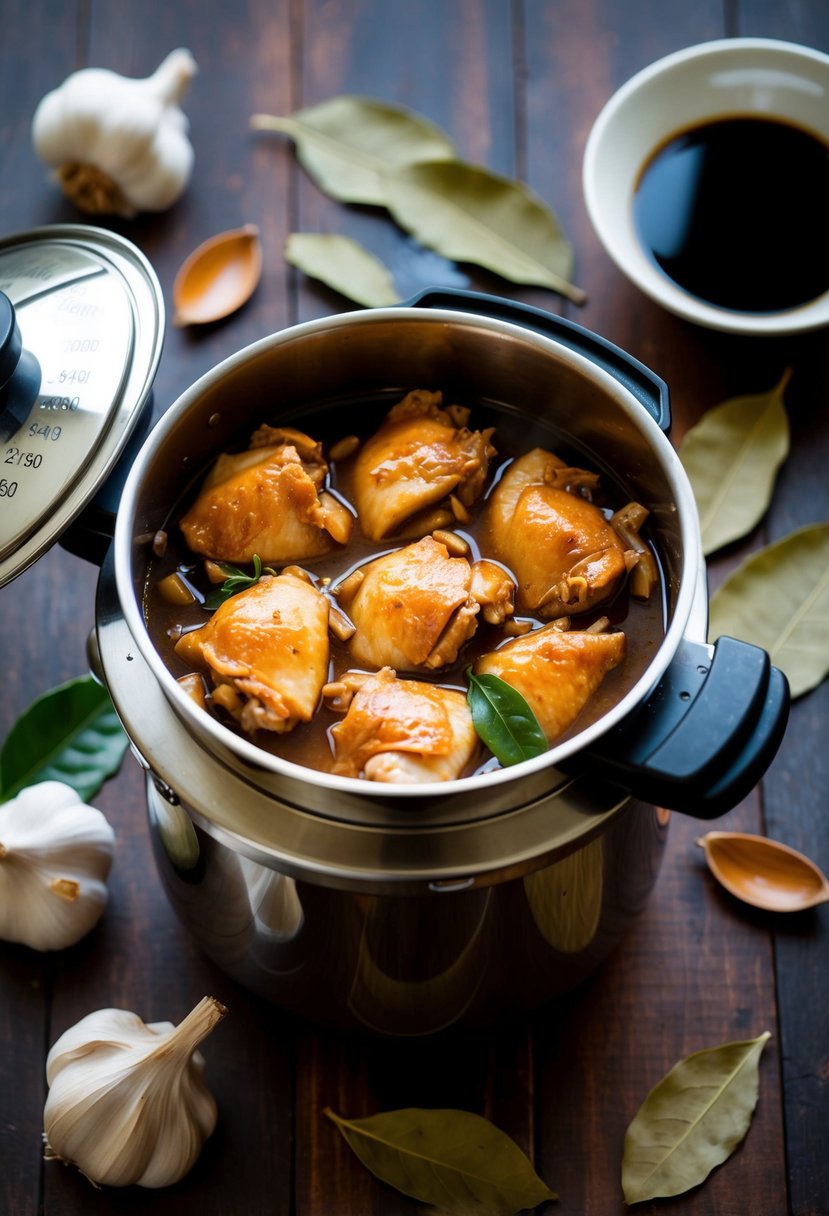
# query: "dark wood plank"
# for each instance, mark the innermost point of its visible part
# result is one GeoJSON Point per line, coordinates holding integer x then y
{"type": "Point", "coordinates": [41, 645]}
{"type": "Point", "coordinates": [517, 88]}
{"type": "Point", "coordinates": [453, 64]}
{"type": "Point", "coordinates": [794, 791]}
{"type": "Point", "coordinates": [244, 56]}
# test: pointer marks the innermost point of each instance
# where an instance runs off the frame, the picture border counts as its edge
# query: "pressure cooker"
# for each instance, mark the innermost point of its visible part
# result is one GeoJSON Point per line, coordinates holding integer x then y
{"type": "Point", "coordinates": [400, 910]}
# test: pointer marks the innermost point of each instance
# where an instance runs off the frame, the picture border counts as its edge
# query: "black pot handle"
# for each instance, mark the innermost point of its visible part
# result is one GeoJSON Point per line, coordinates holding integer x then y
{"type": "Point", "coordinates": [90, 533]}
{"type": "Point", "coordinates": [649, 390]}
{"type": "Point", "coordinates": [704, 737]}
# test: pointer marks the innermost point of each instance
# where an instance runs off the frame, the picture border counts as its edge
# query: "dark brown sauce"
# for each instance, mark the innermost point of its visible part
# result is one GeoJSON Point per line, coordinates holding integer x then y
{"type": "Point", "coordinates": [736, 212]}
{"type": "Point", "coordinates": [309, 743]}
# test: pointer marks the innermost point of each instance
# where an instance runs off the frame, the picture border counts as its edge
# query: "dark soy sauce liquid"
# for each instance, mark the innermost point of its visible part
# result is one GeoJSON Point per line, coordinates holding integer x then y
{"type": "Point", "coordinates": [736, 212]}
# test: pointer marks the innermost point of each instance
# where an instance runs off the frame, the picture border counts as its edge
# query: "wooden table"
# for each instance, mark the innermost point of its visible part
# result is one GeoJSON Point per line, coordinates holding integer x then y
{"type": "Point", "coordinates": [517, 86]}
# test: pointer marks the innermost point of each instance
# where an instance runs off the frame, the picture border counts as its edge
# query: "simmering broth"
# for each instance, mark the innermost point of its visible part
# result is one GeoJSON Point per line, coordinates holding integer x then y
{"type": "Point", "coordinates": [309, 743]}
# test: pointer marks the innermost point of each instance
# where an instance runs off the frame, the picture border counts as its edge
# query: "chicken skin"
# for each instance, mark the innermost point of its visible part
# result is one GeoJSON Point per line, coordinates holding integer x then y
{"type": "Point", "coordinates": [565, 555]}
{"type": "Point", "coordinates": [268, 501]}
{"type": "Point", "coordinates": [417, 606]}
{"type": "Point", "coordinates": [555, 670]}
{"type": "Point", "coordinates": [266, 650]}
{"type": "Point", "coordinates": [404, 731]}
{"type": "Point", "coordinates": [419, 456]}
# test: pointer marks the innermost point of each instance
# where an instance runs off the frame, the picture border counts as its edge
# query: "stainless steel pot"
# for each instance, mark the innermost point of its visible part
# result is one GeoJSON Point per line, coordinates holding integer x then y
{"type": "Point", "coordinates": [401, 909]}
{"type": "Point", "coordinates": [406, 909]}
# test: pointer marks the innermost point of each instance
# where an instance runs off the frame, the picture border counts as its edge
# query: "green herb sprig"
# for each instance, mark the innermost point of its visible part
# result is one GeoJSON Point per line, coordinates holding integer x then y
{"type": "Point", "coordinates": [235, 581]}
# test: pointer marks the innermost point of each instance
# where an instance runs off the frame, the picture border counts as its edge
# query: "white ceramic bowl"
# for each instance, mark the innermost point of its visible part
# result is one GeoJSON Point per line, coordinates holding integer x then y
{"type": "Point", "coordinates": [737, 76]}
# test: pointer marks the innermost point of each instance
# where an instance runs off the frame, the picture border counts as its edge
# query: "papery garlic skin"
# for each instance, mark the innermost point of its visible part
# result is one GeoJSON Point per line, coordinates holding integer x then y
{"type": "Point", "coordinates": [119, 145]}
{"type": "Point", "coordinates": [55, 856]}
{"type": "Point", "coordinates": [127, 1102]}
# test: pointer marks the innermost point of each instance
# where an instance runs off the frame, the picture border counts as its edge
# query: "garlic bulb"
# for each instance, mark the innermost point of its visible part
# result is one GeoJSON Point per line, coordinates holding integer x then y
{"type": "Point", "coordinates": [55, 855]}
{"type": "Point", "coordinates": [127, 1103]}
{"type": "Point", "coordinates": [118, 145]}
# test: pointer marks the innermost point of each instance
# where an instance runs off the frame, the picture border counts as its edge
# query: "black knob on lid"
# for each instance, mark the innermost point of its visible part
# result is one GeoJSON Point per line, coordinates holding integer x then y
{"type": "Point", "coordinates": [19, 373]}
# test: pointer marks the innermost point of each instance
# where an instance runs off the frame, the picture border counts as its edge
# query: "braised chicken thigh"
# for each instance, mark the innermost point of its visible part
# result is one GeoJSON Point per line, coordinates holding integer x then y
{"type": "Point", "coordinates": [555, 670]}
{"type": "Point", "coordinates": [266, 650]}
{"type": "Point", "coordinates": [420, 456]}
{"type": "Point", "coordinates": [417, 606]}
{"type": "Point", "coordinates": [565, 555]}
{"type": "Point", "coordinates": [404, 731]}
{"type": "Point", "coordinates": [267, 501]}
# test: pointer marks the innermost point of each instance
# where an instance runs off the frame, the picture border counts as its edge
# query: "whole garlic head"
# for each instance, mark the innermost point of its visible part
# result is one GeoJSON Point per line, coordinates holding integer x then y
{"type": "Point", "coordinates": [127, 1103]}
{"type": "Point", "coordinates": [118, 145]}
{"type": "Point", "coordinates": [55, 855]}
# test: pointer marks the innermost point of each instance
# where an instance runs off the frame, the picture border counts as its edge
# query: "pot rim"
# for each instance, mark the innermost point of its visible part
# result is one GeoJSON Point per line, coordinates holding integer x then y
{"type": "Point", "coordinates": [256, 758]}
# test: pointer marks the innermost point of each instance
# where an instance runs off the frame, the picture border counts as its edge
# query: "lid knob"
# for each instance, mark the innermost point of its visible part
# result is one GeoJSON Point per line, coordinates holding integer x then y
{"type": "Point", "coordinates": [19, 373]}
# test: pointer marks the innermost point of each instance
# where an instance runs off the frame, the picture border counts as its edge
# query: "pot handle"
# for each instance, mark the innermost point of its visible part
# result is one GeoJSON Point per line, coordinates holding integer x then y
{"type": "Point", "coordinates": [704, 737]}
{"type": "Point", "coordinates": [649, 390]}
{"type": "Point", "coordinates": [90, 533]}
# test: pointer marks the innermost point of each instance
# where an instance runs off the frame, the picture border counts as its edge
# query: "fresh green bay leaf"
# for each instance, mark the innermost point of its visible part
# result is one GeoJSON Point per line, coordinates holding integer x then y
{"type": "Point", "coordinates": [468, 214]}
{"type": "Point", "coordinates": [452, 1159]}
{"type": "Point", "coordinates": [732, 457]}
{"type": "Point", "coordinates": [691, 1121]}
{"type": "Point", "coordinates": [344, 265]}
{"type": "Point", "coordinates": [504, 720]}
{"type": "Point", "coordinates": [70, 734]}
{"type": "Point", "coordinates": [347, 144]}
{"type": "Point", "coordinates": [779, 599]}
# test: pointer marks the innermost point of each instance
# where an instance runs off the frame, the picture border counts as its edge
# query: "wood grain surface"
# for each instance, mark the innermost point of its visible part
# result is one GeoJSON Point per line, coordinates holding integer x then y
{"type": "Point", "coordinates": [517, 86]}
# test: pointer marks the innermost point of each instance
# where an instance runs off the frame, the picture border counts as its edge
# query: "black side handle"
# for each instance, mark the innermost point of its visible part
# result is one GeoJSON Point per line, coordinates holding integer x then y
{"type": "Point", "coordinates": [90, 533]}
{"type": "Point", "coordinates": [649, 390]}
{"type": "Point", "coordinates": [704, 737]}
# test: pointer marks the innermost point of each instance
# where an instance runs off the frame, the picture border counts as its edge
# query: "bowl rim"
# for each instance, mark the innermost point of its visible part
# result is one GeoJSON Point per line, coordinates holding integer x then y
{"type": "Point", "coordinates": [629, 256]}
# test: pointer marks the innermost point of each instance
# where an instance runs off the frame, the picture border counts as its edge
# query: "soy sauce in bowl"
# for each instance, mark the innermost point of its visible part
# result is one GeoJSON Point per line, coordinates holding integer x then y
{"type": "Point", "coordinates": [735, 211]}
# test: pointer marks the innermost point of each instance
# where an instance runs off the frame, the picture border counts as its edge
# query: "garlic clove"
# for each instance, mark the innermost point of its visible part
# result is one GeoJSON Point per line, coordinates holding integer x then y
{"type": "Point", "coordinates": [55, 856]}
{"type": "Point", "coordinates": [127, 1101]}
{"type": "Point", "coordinates": [218, 277]}
{"type": "Point", "coordinates": [118, 145]}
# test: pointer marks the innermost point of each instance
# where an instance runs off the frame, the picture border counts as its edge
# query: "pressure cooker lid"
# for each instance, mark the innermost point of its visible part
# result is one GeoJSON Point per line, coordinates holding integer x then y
{"type": "Point", "coordinates": [81, 330]}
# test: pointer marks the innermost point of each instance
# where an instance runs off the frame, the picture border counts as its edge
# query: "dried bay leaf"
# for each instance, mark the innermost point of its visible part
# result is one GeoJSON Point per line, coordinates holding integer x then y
{"type": "Point", "coordinates": [779, 599]}
{"type": "Point", "coordinates": [691, 1121]}
{"type": "Point", "coordinates": [452, 1159]}
{"type": "Point", "coordinates": [344, 265]}
{"type": "Point", "coordinates": [732, 457]}
{"type": "Point", "coordinates": [347, 144]}
{"type": "Point", "coordinates": [468, 214]}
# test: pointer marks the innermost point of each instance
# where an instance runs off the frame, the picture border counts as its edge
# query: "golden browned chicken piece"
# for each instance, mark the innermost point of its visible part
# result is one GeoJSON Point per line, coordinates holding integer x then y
{"type": "Point", "coordinates": [268, 501]}
{"type": "Point", "coordinates": [419, 456]}
{"type": "Point", "coordinates": [555, 670]}
{"type": "Point", "coordinates": [417, 606]}
{"type": "Point", "coordinates": [565, 555]}
{"type": "Point", "coordinates": [404, 731]}
{"type": "Point", "coordinates": [266, 650]}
